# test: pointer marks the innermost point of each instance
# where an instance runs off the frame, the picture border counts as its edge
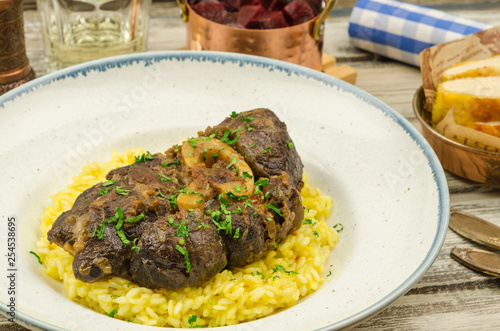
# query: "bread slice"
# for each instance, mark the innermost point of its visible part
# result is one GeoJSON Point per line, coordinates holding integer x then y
{"type": "Point", "coordinates": [475, 68]}
{"type": "Point", "coordinates": [473, 100]}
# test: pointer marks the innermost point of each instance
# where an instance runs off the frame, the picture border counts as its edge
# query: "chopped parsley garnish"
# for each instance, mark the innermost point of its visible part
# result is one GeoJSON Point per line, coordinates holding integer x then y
{"type": "Point", "coordinates": [183, 230]}
{"type": "Point", "coordinates": [108, 183]}
{"type": "Point", "coordinates": [144, 157]}
{"type": "Point", "coordinates": [252, 145]}
{"type": "Point", "coordinates": [236, 233]}
{"type": "Point", "coordinates": [122, 237]}
{"type": "Point", "coordinates": [278, 267]}
{"type": "Point", "coordinates": [184, 252]}
{"type": "Point", "coordinates": [172, 199]}
{"type": "Point", "coordinates": [103, 192]}
{"type": "Point", "coordinates": [341, 227]}
{"type": "Point", "coordinates": [134, 247]}
{"type": "Point", "coordinates": [121, 191]}
{"type": "Point", "coordinates": [230, 142]}
{"type": "Point", "coordinates": [247, 119]}
{"type": "Point", "coordinates": [290, 145]}
{"type": "Point", "coordinates": [192, 319]}
{"type": "Point", "coordinates": [210, 137]}
{"type": "Point", "coordinates": [329, 273]}
{"type": "Point", "coordinates": [164, 178]}
{"type": "Point", "coordinates": [233, 115]}
{"type": "Point", "coordinates": [168, 164]}
{"type": "Point", "coordinates": [248, 203]}
{"type": "Point", "coordinates": [276, 210]}
{"type": "Point", "coordinates": [222, 225]}
{"type": "Point", "coordinates": [275, 245]}
{"type": "Point", "coordinates": [249, 127]}
{"type": "Point", "coordinates": [316, 233]}
{"type": "Point", "coordinates": [203, 225]}
{"type": "Point", "coordinates": [246, 175]}
{"type": "Point", "coordinates": [261, 182]}
{"type": "Point", "coordinates": [266, 150]}
{"type": "Point", "coordinates": [36, 255]}
{"type": "Point", "coordinates": [307, 221]}
{"type": "Point", "coordinates": [225, 137]}
{"type": "Point", "coordinates": [216, 154]}
{"type": "Point", "coordinates": [192, 142]}
{"type": "Point", "coordinates": [113, 312]}
{"type": "Point", "coordinates": [233, 162]}
{"type": "Point", "coordinates": [99, 232]}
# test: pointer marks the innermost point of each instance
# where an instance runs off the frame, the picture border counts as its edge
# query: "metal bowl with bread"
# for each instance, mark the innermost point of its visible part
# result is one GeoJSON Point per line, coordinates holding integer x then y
{"type": "Point", "coordinates": [467, 162]}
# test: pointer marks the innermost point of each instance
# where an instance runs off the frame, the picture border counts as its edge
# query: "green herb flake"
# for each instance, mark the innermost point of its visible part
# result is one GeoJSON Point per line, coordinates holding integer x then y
{"type": "Point", "coordinates": [266, 150]}
{"type": "Point", "coordinates": [341, 227]}
{"type": "Point", "coordinates": [233, 162]}
{"type": "Point", "coordinates": [276, 210]}
{"type": "Point", "coordinates": [275, 245]}
{"type": "Point", "coordinates": [307, 221]}
{"type": "Point", "coordinates": [108, 183]}
{"type": "Point", "coordinates": [122, 237]}
{"type": "Point", "coordinates": [103, 192]}
{"type": "Point", "coordinates": [278, 267]}
{"type": "Point", "coordinates": [225, 137]}
{"type": "Point", "coordinates": [249, 127]}
{"type": "Point", "coordinates": [210, 137]}
{"type": "Point", "coordinates": [121, 191]}
{"type": "Point", "coordinates": [38, 257]}
{"type": "Point", "coordinates": [164, 178]}
{"type": "Point", "coordinates": [329, 273]}
{"type": "Point", "coordinates": [316, 233]}
{"type": "Point", "coordinates": [183, 230]}
{"type": "Point", "coordinates": [113, 313]}
{"type": "Point", "coordinates": [234, 114]}
{"type": "Point", "coordinates": [168, 164]}
{"type": "Point", "coordinates": [144, 157]}
{"type": "Point", "coordinates": [203, 225]}
{"type": "Point", "coordinates": [184, 252]}
{"type": "Point", "coordinates": [247, 119]}
{"type": "Point", "coordinates": [192, 142]}
{"type": "Point", "coordinates": [290, 145]}
{"type": "Point", "coordinates": [236, 233]}
{"type": "Point", "coordinates": [134, 245]}
{"type": "Point", "coordinates": [191, 320]}
{"type": "Point", "coordinates": [99, 232]}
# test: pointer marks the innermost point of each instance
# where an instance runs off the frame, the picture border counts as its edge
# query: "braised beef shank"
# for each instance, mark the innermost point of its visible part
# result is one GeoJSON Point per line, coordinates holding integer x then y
{"type": "Point", "coordinates": [176, 219]}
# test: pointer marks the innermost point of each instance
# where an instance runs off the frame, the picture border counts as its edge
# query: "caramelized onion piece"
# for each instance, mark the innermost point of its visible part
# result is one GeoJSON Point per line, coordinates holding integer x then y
{"type": "Point", "coordinates": [203, 156]}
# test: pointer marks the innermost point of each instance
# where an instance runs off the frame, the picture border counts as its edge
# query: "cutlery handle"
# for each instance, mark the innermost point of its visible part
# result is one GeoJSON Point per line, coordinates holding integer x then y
{"type": "Point", "coordinates": [475, 228]}
{"type": "Point", "coordinates": [477, 259]}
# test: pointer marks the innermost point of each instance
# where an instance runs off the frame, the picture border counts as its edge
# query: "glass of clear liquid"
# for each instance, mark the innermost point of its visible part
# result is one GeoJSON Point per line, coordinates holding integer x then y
{"type": "Point", "coordinates": [76, 31]}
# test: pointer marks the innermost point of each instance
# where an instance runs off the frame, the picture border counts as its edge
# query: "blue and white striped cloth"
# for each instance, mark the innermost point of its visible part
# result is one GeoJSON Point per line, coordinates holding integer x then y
{"type": "Point", "coordinates": [401, 30]}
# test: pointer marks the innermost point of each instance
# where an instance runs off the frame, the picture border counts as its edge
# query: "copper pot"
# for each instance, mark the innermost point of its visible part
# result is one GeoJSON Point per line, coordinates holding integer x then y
{"type": "Point", "coordinates": [300, 44]}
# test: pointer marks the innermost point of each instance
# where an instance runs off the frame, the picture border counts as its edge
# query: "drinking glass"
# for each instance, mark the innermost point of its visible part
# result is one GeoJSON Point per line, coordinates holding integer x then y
{"type": "Point", "coordinates": [76, 31]}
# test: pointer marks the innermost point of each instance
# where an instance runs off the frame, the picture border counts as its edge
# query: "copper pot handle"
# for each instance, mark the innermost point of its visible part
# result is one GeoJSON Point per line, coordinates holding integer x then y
{"type": "Point", "coordinates": [183, 7]}
{"type": "Point", "coordinates": [316, 31]}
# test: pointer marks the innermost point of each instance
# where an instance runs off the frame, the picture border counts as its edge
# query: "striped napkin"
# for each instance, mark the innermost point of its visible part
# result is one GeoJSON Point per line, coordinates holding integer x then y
{"type": "Point", "coordinates": [400, 31]}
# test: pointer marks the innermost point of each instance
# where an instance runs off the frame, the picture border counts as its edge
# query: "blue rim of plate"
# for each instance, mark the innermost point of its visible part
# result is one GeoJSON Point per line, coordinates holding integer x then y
{"type": "Point", "coordinates": [149, 58]}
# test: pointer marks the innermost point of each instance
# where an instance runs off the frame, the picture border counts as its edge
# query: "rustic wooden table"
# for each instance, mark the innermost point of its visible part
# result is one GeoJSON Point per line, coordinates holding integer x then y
{"type": "Point", "coordinates": [449, 296]}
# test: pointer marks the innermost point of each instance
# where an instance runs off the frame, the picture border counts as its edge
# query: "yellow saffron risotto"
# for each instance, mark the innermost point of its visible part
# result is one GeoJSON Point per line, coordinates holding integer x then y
{"type": "Point", "coordinates": [291, 271]}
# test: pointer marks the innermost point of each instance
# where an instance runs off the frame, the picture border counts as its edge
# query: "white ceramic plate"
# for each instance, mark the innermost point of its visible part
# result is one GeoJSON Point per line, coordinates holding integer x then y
{"type": "Point", "coordinates": [389, 189]}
